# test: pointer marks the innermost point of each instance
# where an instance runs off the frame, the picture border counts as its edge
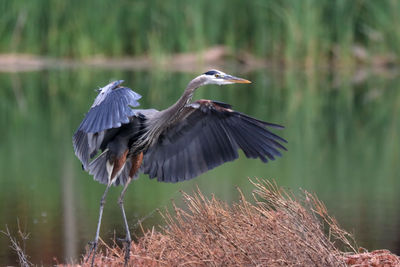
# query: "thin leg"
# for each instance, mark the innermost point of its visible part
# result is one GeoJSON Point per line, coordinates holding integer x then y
{"type": "Point", "coordinates": [128, 238]}
{"type": "Point", "coordinates": [136, 162]}
{"type": "Point", "coordinates": [96, 239]}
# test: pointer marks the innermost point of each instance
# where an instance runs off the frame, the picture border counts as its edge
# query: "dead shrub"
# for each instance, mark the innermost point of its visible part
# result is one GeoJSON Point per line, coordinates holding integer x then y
{"type": "Point", "coordinates": [277, 229]}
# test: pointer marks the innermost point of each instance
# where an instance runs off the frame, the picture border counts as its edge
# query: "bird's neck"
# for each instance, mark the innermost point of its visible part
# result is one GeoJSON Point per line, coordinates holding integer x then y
{"type": "Point", "coordinates": [166, 117]}
{"type": "Point", "coordinates": [187, 95]}
{"type": "Point", "coordinates": [174, 111]}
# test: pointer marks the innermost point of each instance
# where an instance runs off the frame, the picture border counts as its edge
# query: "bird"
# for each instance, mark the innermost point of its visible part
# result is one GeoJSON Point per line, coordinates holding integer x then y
{"type": "Point", "coordinates": [116, 141]}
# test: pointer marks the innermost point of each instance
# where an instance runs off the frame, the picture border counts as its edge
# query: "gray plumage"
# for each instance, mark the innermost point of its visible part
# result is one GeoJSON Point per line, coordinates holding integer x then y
{"type": "Point", "coordinates": [172, 145]}
{"type": "Point", "coordinates": [179, 143]}
{"type": "Point", "coordinates": [110, 110]}
{"type": "Point", "coordinates": [210, 135]}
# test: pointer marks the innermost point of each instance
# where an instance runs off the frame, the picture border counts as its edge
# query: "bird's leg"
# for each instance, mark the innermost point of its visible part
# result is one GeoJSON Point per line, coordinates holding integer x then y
{"type": "Point", "coordinates": [136, 162]}
{"type": "Point", "coordinates": [96, 239]}
{"type": "Point", "coordinates": [128, 238]}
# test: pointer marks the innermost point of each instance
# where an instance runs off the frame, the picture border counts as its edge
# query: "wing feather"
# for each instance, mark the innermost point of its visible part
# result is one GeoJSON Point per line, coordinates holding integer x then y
{"type": "Point", "coordinates": [113, 111]}
{"type": "Point", "coordinates": [209, 135]}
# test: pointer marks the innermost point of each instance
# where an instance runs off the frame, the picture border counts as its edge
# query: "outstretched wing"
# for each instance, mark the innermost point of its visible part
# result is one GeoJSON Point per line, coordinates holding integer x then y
{"type": "Point", "coordinates": [108, 112]}
{"type": "Point", "coordinates": [114, 110]}
{"type": "Point", "coordinates": [209, 134]}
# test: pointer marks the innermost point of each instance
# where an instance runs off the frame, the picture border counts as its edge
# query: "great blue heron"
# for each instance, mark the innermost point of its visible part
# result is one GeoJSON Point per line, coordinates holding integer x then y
{"type": "Point", "coordinates": [175, 144]}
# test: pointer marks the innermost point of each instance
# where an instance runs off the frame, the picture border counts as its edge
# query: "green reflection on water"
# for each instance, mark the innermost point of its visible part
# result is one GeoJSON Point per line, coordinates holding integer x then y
{"type": "Point", "coordinates": [343, 145]}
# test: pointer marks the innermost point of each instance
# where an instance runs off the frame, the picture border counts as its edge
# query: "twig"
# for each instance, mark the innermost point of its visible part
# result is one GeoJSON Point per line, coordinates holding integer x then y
{"type": "Point", "coordinates": [16, 246]}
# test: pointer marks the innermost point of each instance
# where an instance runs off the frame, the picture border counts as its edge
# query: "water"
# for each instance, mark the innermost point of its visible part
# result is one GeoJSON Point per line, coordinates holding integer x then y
{"type": "Point", "coordinates": [342, 129]}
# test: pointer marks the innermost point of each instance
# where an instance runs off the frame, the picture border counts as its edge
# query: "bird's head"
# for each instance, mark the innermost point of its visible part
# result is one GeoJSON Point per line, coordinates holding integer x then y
{"type": "Point", "coordinates": [221, 78]}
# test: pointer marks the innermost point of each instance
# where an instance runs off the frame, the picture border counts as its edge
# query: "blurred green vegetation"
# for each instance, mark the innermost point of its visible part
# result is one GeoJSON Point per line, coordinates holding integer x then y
{"type": "Point", "coordinates": [304, 32]}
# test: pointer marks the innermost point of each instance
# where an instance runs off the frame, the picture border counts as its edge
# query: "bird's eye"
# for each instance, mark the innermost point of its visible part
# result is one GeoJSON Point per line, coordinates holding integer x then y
{"type": "Point", "coordinates": [217, 75]}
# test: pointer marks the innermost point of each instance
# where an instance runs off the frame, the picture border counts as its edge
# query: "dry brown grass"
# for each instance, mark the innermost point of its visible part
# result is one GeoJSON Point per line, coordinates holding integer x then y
{"type": "Point", "coordinates": [278, 229]}
{"type": "Point", "coordinates": [376, 258]}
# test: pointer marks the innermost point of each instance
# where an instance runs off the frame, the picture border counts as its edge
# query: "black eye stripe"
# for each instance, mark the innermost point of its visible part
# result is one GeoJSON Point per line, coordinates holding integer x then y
{"type": "Point", "coordinates": [211, 72]}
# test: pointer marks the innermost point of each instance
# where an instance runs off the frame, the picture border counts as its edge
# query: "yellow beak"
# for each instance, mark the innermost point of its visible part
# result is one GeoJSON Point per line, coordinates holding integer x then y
{"type": "Point", "coordinates": [236, 79]}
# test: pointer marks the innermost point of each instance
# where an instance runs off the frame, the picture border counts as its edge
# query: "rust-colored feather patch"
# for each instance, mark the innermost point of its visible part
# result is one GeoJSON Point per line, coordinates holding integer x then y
{"type": "Point", "coordinates": [118, 164]}
{"type": "Point", "coordinates": [215, 105]}
{"type": "Point", "coordinates": [136, 162]}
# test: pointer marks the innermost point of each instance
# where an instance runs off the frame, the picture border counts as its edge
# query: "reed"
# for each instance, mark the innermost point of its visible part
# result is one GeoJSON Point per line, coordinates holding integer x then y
{"type": "Point", "coordinates": [305, 33]}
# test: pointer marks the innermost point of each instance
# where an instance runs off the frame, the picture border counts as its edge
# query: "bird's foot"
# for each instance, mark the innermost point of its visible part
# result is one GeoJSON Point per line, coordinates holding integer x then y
{"type": "Point", "coordinates": [92, 250]}
{"type": "Point", "coordinates": [127, 244]}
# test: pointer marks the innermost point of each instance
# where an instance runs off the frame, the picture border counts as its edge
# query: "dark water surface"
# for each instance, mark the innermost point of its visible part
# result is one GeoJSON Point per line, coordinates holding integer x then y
{"type": "Point", "coordinates": [343, 131]}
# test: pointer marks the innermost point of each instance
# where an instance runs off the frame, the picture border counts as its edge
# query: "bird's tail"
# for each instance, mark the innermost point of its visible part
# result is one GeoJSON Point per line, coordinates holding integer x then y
{"type": "Point", "coordinates": [98, 168]}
